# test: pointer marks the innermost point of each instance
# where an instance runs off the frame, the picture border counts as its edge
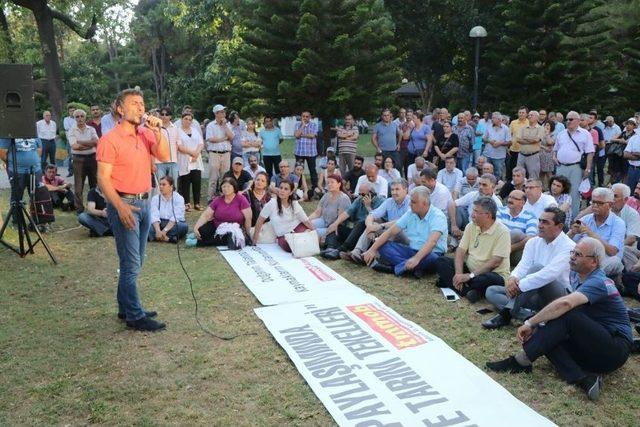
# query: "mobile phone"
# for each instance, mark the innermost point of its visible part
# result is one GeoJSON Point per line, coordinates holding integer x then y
{"type": "Point", "coordinates": [451, 297]}
{"type": "Point", "coordinates": [484, 311]}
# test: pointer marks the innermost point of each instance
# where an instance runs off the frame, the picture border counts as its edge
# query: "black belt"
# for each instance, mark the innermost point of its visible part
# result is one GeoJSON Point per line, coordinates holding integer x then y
{"type": "Point", "coordinates": [43, 139]}
{"type": "Point", "coordinates": [530, 154]}
{"type": "Point", "coordinates": [569, 164]}
{"type": "Point", "coordinates": [218, 152]}
{"type": "Point", "coordinates": [84, 155]}
{"type": "Point", "coordinates": [139, 196]}
{"type": "Point", "coordinates": [634, 167]}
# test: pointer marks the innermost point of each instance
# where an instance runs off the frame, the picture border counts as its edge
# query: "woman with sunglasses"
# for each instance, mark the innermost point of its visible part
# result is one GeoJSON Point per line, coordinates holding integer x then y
{"type": "Point", "coordinates": [190, 146]}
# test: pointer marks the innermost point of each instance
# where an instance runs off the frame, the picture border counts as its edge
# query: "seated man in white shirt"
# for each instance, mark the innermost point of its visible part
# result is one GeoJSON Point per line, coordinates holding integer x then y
{"type": "Point", "coordinates": [378, 183]}
{"type": "Point", "coordinates": [253, 167]}
{"type": "Point", "coordinates": [536, 201]}
{"type": "Point", "coordinates": [541, 276]}
{"type": "Point", "coordinates": [463, 206]}
{"type": "Point", "coordinates": [440, 196]}
{"type": "Point", "coordinates": [413, 171]}
{"type": "Point", "coordinates": [167, 214]}
{"type": "Point", "coordinates": [450, 175]}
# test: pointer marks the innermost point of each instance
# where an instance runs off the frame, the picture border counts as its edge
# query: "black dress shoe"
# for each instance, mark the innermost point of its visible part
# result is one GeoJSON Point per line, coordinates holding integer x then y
{"type": "Point", "coordinates": [497, 321]}
{"type": "Point", "coordinates": [146, 313]}
{"type": "Point", "coordinates": [473, 296]}
{"type": "Point", "coordinates": [146, 324]}
{"type": "Point", "coordinates": [382, 268]}
{"type": "Point", "coordinates": [592, 385]}
{"type": "Point", "coordinates": [510, 365]}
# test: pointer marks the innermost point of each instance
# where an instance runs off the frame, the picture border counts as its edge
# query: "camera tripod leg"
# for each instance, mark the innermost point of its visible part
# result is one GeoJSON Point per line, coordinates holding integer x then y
{"type": "Point", "coordinates": [39, 239]}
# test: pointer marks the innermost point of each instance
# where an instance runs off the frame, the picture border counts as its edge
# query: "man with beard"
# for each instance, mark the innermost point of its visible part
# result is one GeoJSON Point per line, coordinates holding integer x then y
{"type": "Point", "coordinates": [351, 179]}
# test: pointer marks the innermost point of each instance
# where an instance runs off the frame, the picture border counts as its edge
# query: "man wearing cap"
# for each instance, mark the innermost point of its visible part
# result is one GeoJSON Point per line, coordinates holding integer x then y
{"type": "Point", "coordinates": [570, 145]}
{"type": "Point", "coordinates": [632, 154]}
{"type": "Point", "coordinates": [306, 133]}
{"type": "Point", "coordinates": [218, 137]}
{"type": "Point", "coordinates": [237, 172]}
{"type": "Point", "coordinates": [124, 176]}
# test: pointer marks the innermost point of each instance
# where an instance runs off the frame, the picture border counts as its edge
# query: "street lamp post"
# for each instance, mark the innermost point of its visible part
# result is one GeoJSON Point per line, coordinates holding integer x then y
{"type": "Point", "coordinates": [477, 33]}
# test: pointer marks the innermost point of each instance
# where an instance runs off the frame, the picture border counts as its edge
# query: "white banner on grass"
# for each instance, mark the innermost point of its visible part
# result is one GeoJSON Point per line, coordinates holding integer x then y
{"type": "Point", "coordinates": [275, 277]}
{"type": "Point", "coordinates": [371, 367]}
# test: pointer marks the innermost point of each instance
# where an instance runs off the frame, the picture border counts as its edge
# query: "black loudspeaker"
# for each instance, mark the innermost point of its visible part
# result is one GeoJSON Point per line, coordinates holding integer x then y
{"type": "Point", "coordinates": [17, 107]}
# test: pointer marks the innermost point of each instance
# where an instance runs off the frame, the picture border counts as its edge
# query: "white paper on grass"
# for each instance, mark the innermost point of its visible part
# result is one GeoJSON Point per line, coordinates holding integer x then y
{"type": "Point", "coordinates": [275, 277]}
{"type": "Point", "coordinates": [370, 366]}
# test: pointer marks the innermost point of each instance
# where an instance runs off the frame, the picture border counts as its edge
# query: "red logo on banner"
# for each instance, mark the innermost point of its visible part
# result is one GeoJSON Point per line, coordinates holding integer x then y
{"type": "Point", "coordinates": [317, 271]}
{"type": "Point", "coordinates": [393, 331]}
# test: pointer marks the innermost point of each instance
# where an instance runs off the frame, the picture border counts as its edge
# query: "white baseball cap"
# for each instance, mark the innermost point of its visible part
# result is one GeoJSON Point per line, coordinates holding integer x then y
{"type": "Point", "coordinates": [218, 107]}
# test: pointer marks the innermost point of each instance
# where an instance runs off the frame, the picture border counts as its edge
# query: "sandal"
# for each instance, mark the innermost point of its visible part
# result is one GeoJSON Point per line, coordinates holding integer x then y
{"type": "Point", "coordinates": [187, 207]}
{"type": "Point", "coordinates": [199, 208]}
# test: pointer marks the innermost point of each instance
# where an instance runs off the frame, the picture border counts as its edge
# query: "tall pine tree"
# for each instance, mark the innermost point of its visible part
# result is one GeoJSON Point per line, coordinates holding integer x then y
{"type": "Point", "coordinates": [329, 56]}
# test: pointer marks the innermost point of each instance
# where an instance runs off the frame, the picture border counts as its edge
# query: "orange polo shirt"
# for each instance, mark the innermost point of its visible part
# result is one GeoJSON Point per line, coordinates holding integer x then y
{"type": "Point", "coordinates": [130, 155]}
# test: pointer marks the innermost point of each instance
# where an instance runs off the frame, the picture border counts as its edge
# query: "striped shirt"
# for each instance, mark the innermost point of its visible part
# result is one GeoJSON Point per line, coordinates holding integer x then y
{"type": "Point", "coordinates": [306, 147]}
{"type": "Point", "coordinates": [347, 146]}
{"type": "Point", "coordinates": [525, 221]}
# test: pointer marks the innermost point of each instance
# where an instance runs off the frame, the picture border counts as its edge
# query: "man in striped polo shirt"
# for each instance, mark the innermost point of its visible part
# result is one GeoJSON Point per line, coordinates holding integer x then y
{"type": "Point", "coordinates": [347, 144]}
{"type": "Point", "coordinates": [522, 224]}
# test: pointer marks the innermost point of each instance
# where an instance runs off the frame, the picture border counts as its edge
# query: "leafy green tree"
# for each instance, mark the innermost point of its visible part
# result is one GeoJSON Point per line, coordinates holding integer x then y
{"type": "Point", "coordinates": [329, 57]}
{"type": "Point", "coordinates": [434, 39]}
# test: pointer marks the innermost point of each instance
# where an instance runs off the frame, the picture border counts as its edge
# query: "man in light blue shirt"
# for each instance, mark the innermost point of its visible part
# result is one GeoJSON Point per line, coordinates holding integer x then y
{"type": "Point", "coordinates": [426, 229]}
{"type": "Point", "coordinates": [496, 138]}
{"type": "Point", "coordinates": [386, 137]}
{"type": "Point", "coordinates": [380, 219]}
{"type": "Point", "coordinates": [604, 226]}
{"type": "Point", "coordinates": [271, 137]}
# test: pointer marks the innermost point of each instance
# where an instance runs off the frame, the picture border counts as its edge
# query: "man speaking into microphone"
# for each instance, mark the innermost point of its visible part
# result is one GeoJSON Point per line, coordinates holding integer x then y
{"type": "Point", "coordinates": [124, 176]}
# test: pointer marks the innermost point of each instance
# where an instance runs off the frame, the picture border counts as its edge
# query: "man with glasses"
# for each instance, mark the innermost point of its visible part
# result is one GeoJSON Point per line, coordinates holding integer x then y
{"type": "Point", "coordinates": [83, 140]}
{"type": "Point", "coordinates": [386, 137]}
{"type": "Point", "coordinates": [171, 132]}
{"type": "Point", "coordinates": [96, 119]}
{"type": "Point", "coordinates": [541, 276]}
{"type": "Point", "coordinates": [463, 207]}
{"type": "Point", "coordinates": [426, 229]}
{"type": "Point", "coordinates": [605, 226]}
{"type": "Point", "coordinates": [482, 258]}
{"type": "Point", "coordinates": [496, 139]}
{"type": "Point", "coordinates": [536, 200]}
{"type": "Point", "coordinates": [285, 174]}
{"type": "Point", "coordinates": [521, 223]}
{"type": "Point", "coordinates": [306, 134]}
{"type": "Point", "coordinates": [585, 331]}
{"type": "Point", "coordinates": [570, 145]}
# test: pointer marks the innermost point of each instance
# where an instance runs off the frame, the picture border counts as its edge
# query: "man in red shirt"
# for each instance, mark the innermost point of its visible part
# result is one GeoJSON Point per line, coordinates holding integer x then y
{"type": "Point", "coordinates": [124, 176]}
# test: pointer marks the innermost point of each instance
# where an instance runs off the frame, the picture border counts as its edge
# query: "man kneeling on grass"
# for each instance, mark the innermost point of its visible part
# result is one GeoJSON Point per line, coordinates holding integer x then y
{"type": "Point", "coordinates": [426, 228]}
{"type": "Point", "coordinates": [587, 330]}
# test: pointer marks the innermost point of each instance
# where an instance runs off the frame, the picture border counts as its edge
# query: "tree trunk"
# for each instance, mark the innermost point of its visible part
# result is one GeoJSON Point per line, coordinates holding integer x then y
{"type": "Point", "coordinates": [44, 21]}
{"type": "Point", "coordinates": [6, 35]}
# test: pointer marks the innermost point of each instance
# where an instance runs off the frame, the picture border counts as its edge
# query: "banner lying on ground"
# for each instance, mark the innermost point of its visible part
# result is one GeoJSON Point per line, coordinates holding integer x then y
{"type": "Point", "coordinates": [371, 367]}
{"type": "Point", "coordinates": [275, 277]}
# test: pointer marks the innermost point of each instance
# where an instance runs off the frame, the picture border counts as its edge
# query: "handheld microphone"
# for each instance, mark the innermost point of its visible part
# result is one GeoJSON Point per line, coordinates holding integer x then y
{"type": "Point", "coordinates": [150, 121]}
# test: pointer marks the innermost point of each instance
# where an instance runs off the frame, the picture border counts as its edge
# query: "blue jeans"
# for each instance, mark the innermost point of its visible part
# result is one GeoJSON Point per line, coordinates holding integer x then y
{"type": "Point", "coordinates": [130, 245]}
{"type": "Point", "coordinates": [97, 224]}
{"type": "Point", "coordinates": [22, 182]}
{"type": "Point", "coordinates": [397, 254]}
{"type": "Point", "coordinates": [168, 168]}
{"type": "Point", "coordinates": [179, 230]}
{"type": "Point", "coordinates": [633, 176]}
{"type": "Point", "coordinates": [498, 167]}
{"type": "Point", "coordinates": [477, 152]}
{"type": "Point", "coordinates": [465, 162]}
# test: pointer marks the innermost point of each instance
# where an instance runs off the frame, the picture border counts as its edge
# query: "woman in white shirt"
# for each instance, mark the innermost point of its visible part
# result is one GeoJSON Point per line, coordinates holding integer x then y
{"type": "Point", "coordinates": [251, 143]}
{"type": "Point", "coordinates": [285, 215]}
{"type": "Point", "coordinates": [167, 214]}
{"type": "Point", "coordinates": [190, 145]}
{"type": "Point", "coordinates": [389, 171]}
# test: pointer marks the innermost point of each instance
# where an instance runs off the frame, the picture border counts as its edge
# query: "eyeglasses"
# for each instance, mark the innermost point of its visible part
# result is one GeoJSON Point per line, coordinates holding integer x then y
{"type": "Point", "coordinates": [578, 255]}
{"type": "Point", "coordinates": [572, 119]}
{"type": "Point", "coordinates": [598, 203]}
{"type": "Point", "coordinates": [477, 242]}
{"type": "Point", "coordinates": [165, 114]}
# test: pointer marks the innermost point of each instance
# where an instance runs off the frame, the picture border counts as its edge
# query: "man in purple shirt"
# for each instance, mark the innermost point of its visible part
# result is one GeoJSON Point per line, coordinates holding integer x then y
{"type": "Point", "coordinates": [306, 134]}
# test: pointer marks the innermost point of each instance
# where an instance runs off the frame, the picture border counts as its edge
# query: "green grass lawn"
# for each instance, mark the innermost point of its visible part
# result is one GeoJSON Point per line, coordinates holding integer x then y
{"type": "Point", "coordinates": [365, 148]}
{"type": "Point", "coordinates": [66, 359]}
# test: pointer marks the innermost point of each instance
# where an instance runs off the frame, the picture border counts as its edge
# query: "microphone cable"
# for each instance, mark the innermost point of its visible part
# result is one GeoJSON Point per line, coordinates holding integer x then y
{"type": "Point", "coordinates": [193, 294]}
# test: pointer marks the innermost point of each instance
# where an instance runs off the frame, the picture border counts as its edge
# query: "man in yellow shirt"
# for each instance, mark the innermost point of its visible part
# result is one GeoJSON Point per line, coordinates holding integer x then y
{"type": "Point", "coordinates": [482, 259]}
{"type": "Point", "coordinates": [514, 150]}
